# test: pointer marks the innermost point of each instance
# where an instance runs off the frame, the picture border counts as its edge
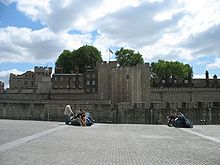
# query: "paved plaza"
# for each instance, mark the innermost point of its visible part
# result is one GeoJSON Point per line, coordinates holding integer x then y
{"type": "Point", "coordinates": [53, 143]}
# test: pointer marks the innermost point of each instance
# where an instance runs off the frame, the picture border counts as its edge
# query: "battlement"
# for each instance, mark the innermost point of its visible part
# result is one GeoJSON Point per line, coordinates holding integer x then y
{"type": "Point", "coordinates": [1, 86]}
{"type": "Point", "coordinates": [42, 69]}
{"type": "Point", "coordinates": [115, 64]}
{"type": "Point", "coordinates": [28, 74]}
{"type": "Point", "coordinates": [105, 64]}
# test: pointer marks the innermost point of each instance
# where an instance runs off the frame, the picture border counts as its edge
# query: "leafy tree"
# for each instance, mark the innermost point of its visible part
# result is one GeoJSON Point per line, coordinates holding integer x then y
{"type": "Point", "coordinates": [128, 57]}
{"type": "Point", "coordinates": [85, 56]}
{"type": "Point", "coordinates": [65, 60]}
{"type": "Point", "coordinates": [170, 68]}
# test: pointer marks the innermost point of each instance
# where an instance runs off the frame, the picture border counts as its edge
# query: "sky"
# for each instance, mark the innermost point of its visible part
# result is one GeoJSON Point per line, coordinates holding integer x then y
{"type": "Point", "coordinates": [34, 33]}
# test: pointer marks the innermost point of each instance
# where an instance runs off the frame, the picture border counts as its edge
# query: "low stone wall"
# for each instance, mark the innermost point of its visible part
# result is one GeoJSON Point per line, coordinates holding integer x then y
{"type": "Point", "coordinates": [53, 111]}
{"type": "Point", "coordinates": [50, 110]}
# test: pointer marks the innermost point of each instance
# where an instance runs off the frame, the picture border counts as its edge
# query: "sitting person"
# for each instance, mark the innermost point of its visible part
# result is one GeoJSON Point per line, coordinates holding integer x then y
{"type": "Point", "coordinates": [89, 119]}
{"type": "Point", "coordinates": [171, 120]}
{"type": "Point", "coordinates": [83, 119]}
{"type": "Point", "coordinates": [67, 114]}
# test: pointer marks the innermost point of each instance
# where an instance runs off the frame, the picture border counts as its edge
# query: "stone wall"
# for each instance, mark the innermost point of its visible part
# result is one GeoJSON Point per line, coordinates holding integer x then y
{"type": "Point", "coordinates": [184, 95]}
{"type": "Point", "coordinates": [102, 112]}
{"type": "Point", "coordinates": [52, 110]}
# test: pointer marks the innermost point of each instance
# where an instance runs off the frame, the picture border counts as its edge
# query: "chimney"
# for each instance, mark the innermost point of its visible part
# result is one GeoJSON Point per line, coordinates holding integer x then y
{"type": "Point", "coordinates": [207, 78]}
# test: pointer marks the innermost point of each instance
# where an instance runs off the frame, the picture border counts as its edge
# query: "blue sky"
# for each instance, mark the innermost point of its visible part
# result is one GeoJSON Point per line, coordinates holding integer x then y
{"type": "Point", "coordinates": [34, 33]}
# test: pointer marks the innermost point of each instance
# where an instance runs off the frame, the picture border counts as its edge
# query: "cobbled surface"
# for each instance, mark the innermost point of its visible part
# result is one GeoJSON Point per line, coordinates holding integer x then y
{"type": "Point", "coordinates": [107, 144]}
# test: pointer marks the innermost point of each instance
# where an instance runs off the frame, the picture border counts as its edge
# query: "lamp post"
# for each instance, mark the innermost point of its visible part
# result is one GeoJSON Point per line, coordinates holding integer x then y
{"type": "Point", "coordinates": [69, 86]}
{"type": "Point", "coordinates": [210, 116]}
{"type": "Point", "coordinates": [127, 94]}
{"type": "Point", "coordinates": [151, 116]}
{"type": "Point", "coordinates": [48, 116]}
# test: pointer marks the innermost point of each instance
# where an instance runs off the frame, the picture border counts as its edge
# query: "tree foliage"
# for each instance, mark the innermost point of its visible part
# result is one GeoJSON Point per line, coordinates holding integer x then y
{"type": "Point", "coordinates": [85, 56]}
{"type": "Point", "coordinates": [128, 57]}
{"type": "Point", "coordinates": [170, 68]}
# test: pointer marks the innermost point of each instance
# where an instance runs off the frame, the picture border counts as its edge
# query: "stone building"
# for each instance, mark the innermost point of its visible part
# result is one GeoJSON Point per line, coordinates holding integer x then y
{"type": "Point", "coordinates": [2, 89]}
{"type": "Point", "coordinates": [113, 93]}
{"type": "Point", "coordinates": [75, 82]}
{"type": "Point", "coordinates": [30, 80]}
{"type": "Point", "coordinates": [124, 84]}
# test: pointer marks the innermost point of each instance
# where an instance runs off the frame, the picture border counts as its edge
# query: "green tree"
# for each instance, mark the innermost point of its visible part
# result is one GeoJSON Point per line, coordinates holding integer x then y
{"type": "Point", "coordinates": [65, 60]}
{"type": "Point", "coordinates": [170, 68]}
{"type": "Point", "coordinates": [85, 56]}
{"type": "Point", "coordinates": [128, 57]}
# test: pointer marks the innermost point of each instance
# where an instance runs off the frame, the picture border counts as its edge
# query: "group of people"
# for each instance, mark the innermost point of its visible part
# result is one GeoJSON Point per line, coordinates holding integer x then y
{"type": "Point", "coordinates": [80, 118]}
{"type": "Point", "coordinates": [179, 120]}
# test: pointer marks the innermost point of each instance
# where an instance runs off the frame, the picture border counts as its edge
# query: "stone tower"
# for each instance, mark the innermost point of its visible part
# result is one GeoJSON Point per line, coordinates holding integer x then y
{"type": "Point", "coordinates": [124, 84]}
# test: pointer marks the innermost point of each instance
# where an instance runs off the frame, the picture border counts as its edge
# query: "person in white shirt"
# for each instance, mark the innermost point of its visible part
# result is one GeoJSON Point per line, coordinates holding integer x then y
{"type": "Point", "coordinates": [67, 114]}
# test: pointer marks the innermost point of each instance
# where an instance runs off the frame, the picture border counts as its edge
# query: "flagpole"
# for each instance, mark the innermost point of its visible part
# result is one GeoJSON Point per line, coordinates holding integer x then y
{"type": "Point", "coordinates": [108, 56]}
{"type": "Point", "coordinates": [109, 52]}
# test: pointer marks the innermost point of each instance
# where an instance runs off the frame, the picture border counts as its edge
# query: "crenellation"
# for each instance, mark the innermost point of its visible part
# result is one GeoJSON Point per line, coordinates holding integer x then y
{"type": "Point", "coordinates": [114, 86]}
{"type": "Point", "coordinates": [2, 87]}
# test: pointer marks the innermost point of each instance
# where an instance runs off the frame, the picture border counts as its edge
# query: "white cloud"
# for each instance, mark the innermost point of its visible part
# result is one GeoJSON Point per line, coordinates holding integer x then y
{"type": "Point", "coordinates": [204, 43]}
{"type": "Point", "coordinates": [166, 29]}
{"type": "Point", "coordinates": [7, 2]}
{"type": "Point", "coordinates": [199, 76]}
{"type": "Point", "coordinates": [4, 76]}
{"type": "Point", "coordinates": [215, 65]}
{"type": "Point", "coordinates": [135, 25]}
{"type": "Point", "coordinates": [62, 15]}
{"type": "Point", "coordinates": [23, 44]}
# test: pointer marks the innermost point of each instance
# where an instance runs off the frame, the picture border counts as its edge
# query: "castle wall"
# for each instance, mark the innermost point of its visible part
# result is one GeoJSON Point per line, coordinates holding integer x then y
{"type": "Point", "coordinates": [101, 112]}
{"type": "Point", "coordinates": [53, 110]}
{"type": "Point", "coordinates": [40, 72]}
{"type": "Point", "coordinates": [191, 96]}
{"type": "Point", "coordinates": [120, 95]}
{"type": "Point", "coordinates": [123, 84]}
{"type": "Point", "coordinates": [2, 90]}
{"type": "Point", "coordinates": [23, 81]}
{"type": "Point", "coordinates": [104, 78]}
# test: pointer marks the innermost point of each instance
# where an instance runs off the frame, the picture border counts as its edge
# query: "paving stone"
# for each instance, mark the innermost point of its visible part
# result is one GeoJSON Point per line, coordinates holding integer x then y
{"type": "Point", "coordinates": [109, 144]}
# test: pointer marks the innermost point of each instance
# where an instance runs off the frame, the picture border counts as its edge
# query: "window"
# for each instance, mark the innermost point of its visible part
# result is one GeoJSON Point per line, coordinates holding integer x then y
{"type": "Point", "coordinates": [88, 82]}
{"type": "Point", "coordinates": [88, 75]}
{"type": "Point", "coordinates": [186, 81]}
{"type": "Point", "coordinates": [200, 105]}
{"type": "Point", "coordinates": [80, 78]}
{"type": "Point", "coordinates": [80, 85]}
{"type": "Point", "coordinates": [175, 81]}
{"type": "Point", "coordinates": [88, 89]}
{"type": "Point", "coordinates": [93, 82]}
{"type": "Point", "coordinates": [93, 90]}
{"type": "Point", "coordinates": [163, 81]}
{"type": "Point", "coordinates": [183, 105]}
{"type": "Point", "coordinates": [216, 104]}
{"type": "Point", "coordinates": [151, 105]}
{"type": "Point", "coordinates": [74, 85]}
{"type": "Point", "coordinates": [74, 78]}
{"type": "Point", "coordinates": [61, 78]}
{"type": "Point", "coordinates": [93, 75]}
{"type": "Point", "coordinates": [61, 86]}
{"type": "Point", "coordinates": [167, 105]}
{"type": "Point", "coordinates": [25, 83]}
{"type": "Point", "coordinates": [55, 79]}
{"type": "Point", "coordinates": [67, 86]}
